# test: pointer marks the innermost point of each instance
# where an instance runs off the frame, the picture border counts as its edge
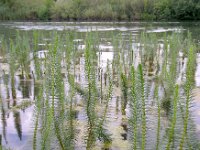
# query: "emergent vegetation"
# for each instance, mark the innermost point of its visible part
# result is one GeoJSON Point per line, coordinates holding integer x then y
{"type": "Point", "coordinates": [75, 110]}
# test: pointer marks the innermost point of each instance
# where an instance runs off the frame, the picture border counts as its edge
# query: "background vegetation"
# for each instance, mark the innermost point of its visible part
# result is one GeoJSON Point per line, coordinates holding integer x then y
{"type": "Point", "coordinates": [100, 9]}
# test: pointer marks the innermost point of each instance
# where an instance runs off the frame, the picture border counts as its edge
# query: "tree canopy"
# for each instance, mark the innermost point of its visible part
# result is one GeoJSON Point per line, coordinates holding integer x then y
{"type": "Point", "coordinates": [100, 9]}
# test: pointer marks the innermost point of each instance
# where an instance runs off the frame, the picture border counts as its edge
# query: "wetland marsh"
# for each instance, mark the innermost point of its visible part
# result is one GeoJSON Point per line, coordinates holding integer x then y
{"type": "Point", "coordinates": [100, 85]}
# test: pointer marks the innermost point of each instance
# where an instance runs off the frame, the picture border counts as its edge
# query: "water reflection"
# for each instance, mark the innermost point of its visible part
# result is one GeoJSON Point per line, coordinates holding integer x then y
{"type": "Point", "coordinates": [4, 123]}
{"type": "Point", "coordinates": [26, 89]}
{"type": "Point", "coordinates": [19, 129]}
{"type": "Point", "coordinates": [16, 120]}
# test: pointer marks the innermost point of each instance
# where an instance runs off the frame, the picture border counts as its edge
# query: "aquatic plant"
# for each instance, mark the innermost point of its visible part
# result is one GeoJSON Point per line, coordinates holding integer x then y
{"type": "Point", "coordinates": [90, 105]}
{"type": "Point", "coordinates": [134, 107]}
{"type": "Point", "coordinates": [138, 107]}
{"type": "Point", "coordinates": [191, 63]}
{"type": "Point", "coordinates": [157, 105]}
{"type": "Point", "coordinates": [37, 72]}
{"type": "Point", "coordinates": [22, 52]}
{"type": "Point", "coordinates": [141, 78]}
{"type": "Point", "coordinates": [101, 130]}
{"type": "Point", "coordinates": [38, 103]}
{"type": "Point", "coordinates": [125, 92]}
{"type": "Point", "coordinates": [159, 117]}
{"type": "Point", "coordinates": [172, 128]}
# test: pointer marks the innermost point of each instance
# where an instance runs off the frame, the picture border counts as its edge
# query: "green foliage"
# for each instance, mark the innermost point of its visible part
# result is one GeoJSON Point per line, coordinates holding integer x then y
{"type": "Point", "coordinates": [25, 9]}
{"type": "Point", "coordinates": [162, 10]}
{"type": "Point", "coordinates": [101, 9]}
{"type": "Point", "coordinates": [185, 9]}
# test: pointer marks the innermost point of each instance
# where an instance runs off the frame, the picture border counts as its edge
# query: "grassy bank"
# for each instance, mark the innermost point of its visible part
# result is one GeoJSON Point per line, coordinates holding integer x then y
{"type": "Point", "coordinates": [129, 10]}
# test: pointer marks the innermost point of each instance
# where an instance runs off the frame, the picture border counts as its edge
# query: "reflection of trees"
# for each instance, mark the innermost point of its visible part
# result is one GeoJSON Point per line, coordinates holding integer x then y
{"type": "Point", "coordinates": [26, 89]}
{"type": "Point", "coordinates": [13, 86]}
{"type": "Point", "coordinates": [17, 121]}
{"type": "Point", "coordinates": [4, 123]}
{"type": "Point", "coordinates": [18, 126]}
{"type": "Point", "coordinates": [6, 80]}
{"type": "Point", "coordinates": [3, 118]}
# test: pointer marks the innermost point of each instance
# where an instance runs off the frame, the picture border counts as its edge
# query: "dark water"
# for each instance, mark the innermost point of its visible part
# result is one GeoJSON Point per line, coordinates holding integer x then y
{"type": "Point", "coordinates": [16, 126]}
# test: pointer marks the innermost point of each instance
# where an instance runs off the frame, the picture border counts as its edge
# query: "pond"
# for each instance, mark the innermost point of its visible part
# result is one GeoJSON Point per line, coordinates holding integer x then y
{"type": "Point", "coordinates": [99, 85]}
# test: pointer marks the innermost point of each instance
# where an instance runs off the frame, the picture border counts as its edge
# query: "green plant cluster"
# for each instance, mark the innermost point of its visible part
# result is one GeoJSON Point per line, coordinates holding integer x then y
{"type": "Point", "coordinates": [155, 106]}
{"type": "Point", "coordinates": [100, 9]}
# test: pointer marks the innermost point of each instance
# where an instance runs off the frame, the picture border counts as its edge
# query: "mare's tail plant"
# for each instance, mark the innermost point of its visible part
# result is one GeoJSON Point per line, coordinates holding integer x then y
{"type": "Point", "coordinates": [191, 63]}
{"type": "Point", "coordinates": [171, 135]}
{"type": "Point", "coordinates": [142, 87]}
{"type": "Point", "coordinates": [57, 93]}
{"type": "Point", "coordinates": [159, 117]}
{"type": "Point", "coordinates": [101, 131]}
{"type": "Point", "coordinates": [134, 110]}
{"type": "Point", "coordinates": [37, 65]}
{"type": "Point", "coordinates": [124, 83]}
{"type": "Point", "coordinates": [38, 108]}
{"type": "Point", "coordinates": [91, 98]}
{"type": "Point", "coordinates": [138, 108]}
